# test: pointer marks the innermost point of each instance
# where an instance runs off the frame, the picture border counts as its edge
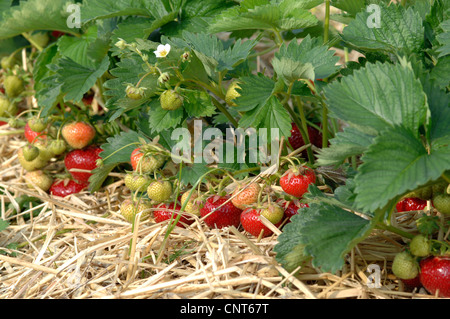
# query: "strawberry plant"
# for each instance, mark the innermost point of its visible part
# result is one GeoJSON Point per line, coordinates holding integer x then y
{"type": "Point", "coordinates": [185, 102]}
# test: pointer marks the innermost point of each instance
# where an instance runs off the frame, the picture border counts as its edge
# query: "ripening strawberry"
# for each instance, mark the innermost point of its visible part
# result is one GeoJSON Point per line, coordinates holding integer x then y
{"type": "Point", "coordinates": [194, 203]}
{"type": "Point", "coordinates": [66, 187]}
{"type": "Point", "coordinates": [435, 275]}
{"type": "Point", "coordinates": [167, 211]}
{"type": "Point", "coordinates": [405, 266]}
{"type": "Point", "coordinates": [38, 179]}
{"type": "Point", "coordinates": [159, 191]}
{"type": "Point", "coordinates": [219, 212]}
{"type": "Point", "coordinates": [273, 212]}
{"type": "Point", "coordinates": [244, 196]}
{"type": "Point", "coordinates": [82, 159]}
{"type": "Point", "coordinates": [33, 136]}
{"type": "Point", "coordinates": [145, 164]}
{"type": "Point", "coordinates": [129, 209]}
{"type": "Point", "coordinates": [78, 135]}
{"type": "Point", "coordinates": [295, 181]}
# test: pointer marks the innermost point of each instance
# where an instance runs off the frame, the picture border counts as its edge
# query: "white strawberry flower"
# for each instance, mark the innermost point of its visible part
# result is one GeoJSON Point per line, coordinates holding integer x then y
{"type": "Point", "coordinates": [162, 51]}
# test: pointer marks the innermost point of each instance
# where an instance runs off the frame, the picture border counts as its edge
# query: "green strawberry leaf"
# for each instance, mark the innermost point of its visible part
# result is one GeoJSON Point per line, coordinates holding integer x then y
{"type": "Point", "coordinates": [379, 97]}
{"type": "Point", "coordinates": [160, 119]}
{"type": "Point", "coordinates": [324, 232]}
{"type": "Point", "coordinates": [254, 90]}
{"type": "Point", "coordinates": [270, 115]}
{"type": "Point", "coordinates": [98, 9]}
{"type": "Point", "coordinates": [398, 162]}
{"type": "Point", "coordinates": [265, 15]}
{"type": "Point", "coordinates": [444, 38]}
{"type": "Point", "coordinates": [76, 79]}
{"type": "Point", "coordinates": [130, 29]}
{"type": "Point", "coordinates": [3, 225]}
{"type": "Point", "coordinates": [350, 142]}
{"type": "Point", "coordinates": [118, 148]}
{"type": "Point", "coordinates": [352, 7]}
{"type": "Point", "coordinates": [407, 38]}
{"type": "Point", "coordinates": [441, 72]}
{"type": "Point", "coordinates": [34, 15]}
{"type": "Point", "coordinates": [191, 174]}
{"type": "Point", "coordinates": [99, 175]}
{"type": "Point", "coordinates": [197, 103]}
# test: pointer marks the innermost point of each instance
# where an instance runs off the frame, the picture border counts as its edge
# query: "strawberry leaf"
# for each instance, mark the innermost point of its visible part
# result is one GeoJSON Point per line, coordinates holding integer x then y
{"type": "Point", "coordinates": [379, 97]}
{"type": "Point", "coordinates": [322, 231]}
{"type": "Point", "coordinates": [160, 119]}
{"type": "Point", "coordinates": [118, 148]}
{"type": "Point", "coordinates": [34, 15]}
{"type": "Point", "coordinates": [77, 79]}
{"type": "Point", "coordinates": [444, 38]}
{"type": "Point", "coordinates": [398, 162]}
{"type": "Point", "coordinates": [408, 38]}
{"type": "Point", "coordinates": [254, 90]}
{"type": "Point", "coordinates": [197, 103]}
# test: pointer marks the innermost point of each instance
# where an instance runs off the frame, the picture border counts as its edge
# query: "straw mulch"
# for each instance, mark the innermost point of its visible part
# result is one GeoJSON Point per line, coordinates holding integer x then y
{"type": "Point", "coordinates": [81, 247]}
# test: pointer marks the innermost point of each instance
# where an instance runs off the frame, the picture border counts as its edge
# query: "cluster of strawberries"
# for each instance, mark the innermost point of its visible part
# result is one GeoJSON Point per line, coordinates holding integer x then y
{"type": "Point", "coordinates": [243, 207]}
{"type": "Point", "coordinates": [75, 149]}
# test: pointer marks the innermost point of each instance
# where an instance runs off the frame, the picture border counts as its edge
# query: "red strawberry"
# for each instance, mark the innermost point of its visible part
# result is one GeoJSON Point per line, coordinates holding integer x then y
{"type": "Point", "coordinates": [85, 159]}
{"type": "Point", "coordinates": [165, 212]}
{"type": "Point", "coordinates": [251, 222]}
{"type": "Point", "coordinates": [435, 275]}
{"type": "Point", "coordinates": [295, 181]}
{"type": "Point", "coordinates": [411, 204]}
{"type": "Point", "coordinates": [33, 136]}
{"type": "Point", "coordinates": [64, 188]}
{"type": "Point", "coordinates": [145, 164]}
{"type": "Point", "coordinates": [296, 139]}
{"type": "Point", "coordinates": [291, 207]}
{"type": "Point", "coordinates": [57, 34]}
{"type": "Point", "coordinates": [78, 134]}
{"type": "Point", "coordinates": [219, 217]}
{"type": "Point", "coordinates": [412, 283]}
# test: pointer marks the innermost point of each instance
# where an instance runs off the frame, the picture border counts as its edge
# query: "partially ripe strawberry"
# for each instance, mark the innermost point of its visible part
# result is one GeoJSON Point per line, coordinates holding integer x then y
{"type": "Point", "coordinates": [63, 188]}
{"type": "Point", "coordinates": [405, 266]}
{"type": "Point", "coordinates": [171, 100]}
{"type": "Point", "coordinates": [33, 136]}
{"type": "Point", "coordinates": [420, 246]}
{"type": "Point", "coordinates": [217, 214]}
{"type": "Point", "coordinates": [273, 212]}
{"type": "Point", "coordinates": [145, 164]}
{"type": "Point", "coordinates": [159, 191]}
{"type": "Point", "coordinates": [411, 204]}
{"type": "Point", "coordinates": [137, 182]}
{"type": "Point", "coordinates": [246, 196]}
{"type": "Point", "coordinates": [435, 275]}
{"type": "Point", "coordinates": [129, 209]}
{"type": "Point", "coordinates": [78, 134]}
{"type": "Point", "coordinates": [84, 159]}
{"type": "Point", "coordinates": [295, 181]}
{"type": "Point", "coordinates": [38, 179]}
{"type": "Point", "coordinates": [194, 204]}
{"type": "Point", "coordinates": [251, 222]}
{"type": "Point", "coordinates": [165, 211]}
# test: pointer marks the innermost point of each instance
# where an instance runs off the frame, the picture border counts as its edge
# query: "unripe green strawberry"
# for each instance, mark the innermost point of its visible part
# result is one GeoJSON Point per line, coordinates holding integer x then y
{"type": "Point", "coordinates": [8, 62]}
{"type": "Point", "coordinates": [194, 205]}
{"type": "Point", "coordinates": [439, 188]}
{"type": "Point", "coordinates": [232, 93]}
{"type": "Point", "coordinates": [39, 179]}
{"type": "Point", "coordinates": [30, 152]}
{"type": "Point", "coordinates": [37, 124]}
{"type": "Point", "coordinates": [57, 147]}
{"type": "Point", "coordinates": [273, 213]}
{"type": "Point", "coordinates": [44, 151]}
{"type": "Point", "coordinates": [7, 108]}
{"type": "Point", "coordinates": [442, 203]}
{"type": "Point", "coordinates": [171, 100]}
{"type": "Point", "coordinates": [137, 182]}
{"type": "Point", "coordinates": [420, 246]}
{"type": "Point", "coordinates": [40, 38]}
{"type": "Point", "coordinates": [129, 209]}
{"type": "Point", "coordinates": [134, 93]}
{"type": "Point", "coordinates": [14, 86]}
{"type": "Point", "coordinates": [33, 165]}
{"type": "Point", "coordinates": [159, 191]}
{"type": "Point", "coordinates": [405, 266]}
